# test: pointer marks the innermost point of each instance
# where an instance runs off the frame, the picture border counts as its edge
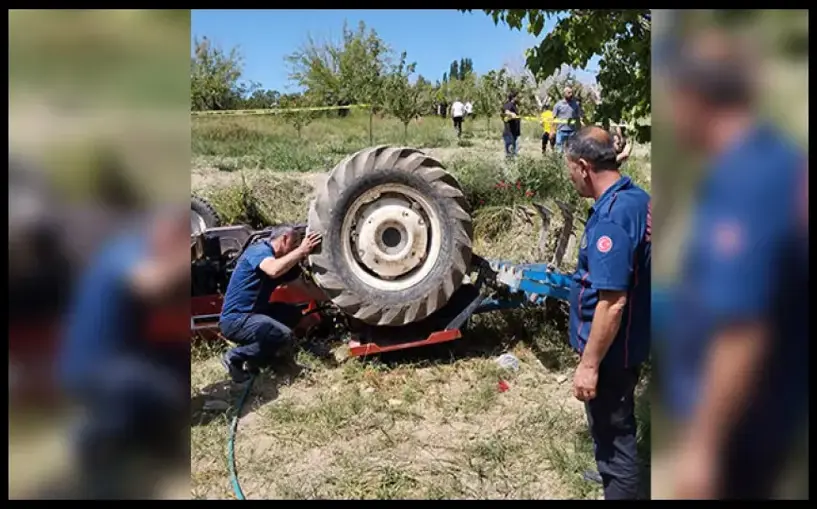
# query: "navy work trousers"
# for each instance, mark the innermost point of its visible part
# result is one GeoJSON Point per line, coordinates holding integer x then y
{"type": "Point", "coordinates": [260, 335]}
{"type": "Point", "coordinates": [611, 416]}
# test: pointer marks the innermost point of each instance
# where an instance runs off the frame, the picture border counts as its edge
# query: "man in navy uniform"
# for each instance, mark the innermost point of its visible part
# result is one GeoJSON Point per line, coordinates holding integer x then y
{"type": "Point", "coordinates": [735, 359]}
{"type": "Point", "coordinates": [610, 306]}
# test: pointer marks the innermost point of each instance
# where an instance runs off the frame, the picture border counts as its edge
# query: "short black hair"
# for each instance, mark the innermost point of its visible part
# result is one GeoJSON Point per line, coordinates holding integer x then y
{"type": "Point", "coordinates": [512, 95]}
{"type": "Point", "coordinates": [595, 146]}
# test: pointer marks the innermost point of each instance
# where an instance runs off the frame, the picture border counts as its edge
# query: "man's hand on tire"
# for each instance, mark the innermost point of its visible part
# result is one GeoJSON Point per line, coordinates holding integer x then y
{"type": "Point", "coordinates": [309, 243]}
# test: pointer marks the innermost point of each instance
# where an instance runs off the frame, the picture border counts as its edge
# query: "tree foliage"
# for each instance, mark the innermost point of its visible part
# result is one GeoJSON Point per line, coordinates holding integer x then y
{"type": "Point", "coordinates": [215, 81]}
{"type": "Point", "coordinates": [295, 111]}
{"type": "Point", "coordinates": [344, 73]}
{"type": "Point", "coordinates": [402, 99]}
{"type": "Point", "coordinates": [214, 77]}
{"type": "Point", "coordinates": [620, 36]}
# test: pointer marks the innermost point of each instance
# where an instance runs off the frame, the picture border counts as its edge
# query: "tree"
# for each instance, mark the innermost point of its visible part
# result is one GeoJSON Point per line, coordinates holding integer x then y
{"type": "Point", "coordinates": [466, 68]}
{"type": "Point", "coordinates": [620, 36]}
{"type": "Point", "coordinates": [454, 70]}
{"type": "Point", "coordinates": [402, 99]}
{"type": "Point", "coordinates": [295, 111]}
{"type": "Point", "coordinates": [349, 72]}
{"type": "Point", "coordinates": [214, 77]}
{"type": "Point", "coordinates": [262, 99]}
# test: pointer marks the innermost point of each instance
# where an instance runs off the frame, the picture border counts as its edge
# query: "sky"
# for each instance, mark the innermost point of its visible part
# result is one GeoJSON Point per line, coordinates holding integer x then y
{"type": "Point", "coordinates": [432, 38]}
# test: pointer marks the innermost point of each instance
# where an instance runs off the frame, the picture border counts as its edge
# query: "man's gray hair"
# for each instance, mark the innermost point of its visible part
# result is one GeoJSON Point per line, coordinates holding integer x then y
{"type": "Point", "coordinates": [595, 146]}
{"type": "Point", "coordinates": [280, 231]}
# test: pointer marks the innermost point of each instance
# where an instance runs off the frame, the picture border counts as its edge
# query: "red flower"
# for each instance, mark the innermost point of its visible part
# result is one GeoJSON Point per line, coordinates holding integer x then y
{"type": "Point", "coordinates": [529, 193]}
{"type": "Point", "coordinates": [519, 185]}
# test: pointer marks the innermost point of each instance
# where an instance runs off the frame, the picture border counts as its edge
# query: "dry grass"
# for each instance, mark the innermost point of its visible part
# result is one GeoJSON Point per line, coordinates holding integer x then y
{"type": "Point", "coordinates": [426, 424]}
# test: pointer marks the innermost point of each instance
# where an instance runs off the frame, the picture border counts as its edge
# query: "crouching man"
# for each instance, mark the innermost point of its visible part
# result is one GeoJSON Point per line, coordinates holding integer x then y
{"type": "Point", "coordinates": [262, 330]}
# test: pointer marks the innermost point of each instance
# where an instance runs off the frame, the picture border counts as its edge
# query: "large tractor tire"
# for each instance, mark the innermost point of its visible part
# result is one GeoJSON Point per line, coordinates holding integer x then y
{"type": "Point", "coordinates": [202, 216]}
{"type": "Point", "coordinates": [396, 236]}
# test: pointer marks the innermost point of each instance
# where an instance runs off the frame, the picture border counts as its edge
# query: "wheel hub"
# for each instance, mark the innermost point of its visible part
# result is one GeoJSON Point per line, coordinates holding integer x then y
{"type": "Point", "coordinates": [392, 237]}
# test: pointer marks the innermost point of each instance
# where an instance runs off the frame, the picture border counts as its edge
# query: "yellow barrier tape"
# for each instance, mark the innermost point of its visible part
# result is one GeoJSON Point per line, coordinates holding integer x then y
{"type": "Point", "coordinates": [272, 111]}
{"type": "Point", "coordinates": [563, 121]}
{"type": "Point", "coordinates": [276, 111]}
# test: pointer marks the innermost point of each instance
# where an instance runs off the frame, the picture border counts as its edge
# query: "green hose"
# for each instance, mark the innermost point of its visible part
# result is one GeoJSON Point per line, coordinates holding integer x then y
{"type": "Point", "coordinates": [239, 494]}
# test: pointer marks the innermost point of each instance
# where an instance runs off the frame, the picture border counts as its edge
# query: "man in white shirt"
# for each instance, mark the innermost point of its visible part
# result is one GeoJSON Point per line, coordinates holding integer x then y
{"type": "Point", "coordinates": [457, 112]}
{"type": "Point", "coordinates": [469, 108]}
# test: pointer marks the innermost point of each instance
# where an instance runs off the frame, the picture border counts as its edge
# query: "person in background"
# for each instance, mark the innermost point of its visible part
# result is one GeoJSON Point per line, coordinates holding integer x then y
{"type": "Point", "coordinates": [622, 144]}
{"type": "Point", "coordinates": [512, 125]}
{"type": "Point", "coordinates": [469, 109]}
{"type": "Point", "coordinates": [735, 358]}
{"type": "Point", "coordinates": [457, 114]}
{"type": "Point", "coordinates": [548, 131]}
{"type": "Point", "coordinates": [567, 113]}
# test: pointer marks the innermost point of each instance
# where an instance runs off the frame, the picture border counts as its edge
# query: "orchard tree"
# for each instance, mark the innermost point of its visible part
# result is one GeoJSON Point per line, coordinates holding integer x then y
{"type": "Point", "coordinates": [464, 89]}
{"type": "Point", "coordinates": [620, 36]}
{"type": "Point", "coordinates": [490, 94]}
{"type": "Point", "coordinates": [295, 110]}
{"type": "Point", "coordinates": [402, 99]}
{"type": "Point", "coordinates": [214, 77]}
{"type": "Point", "coordinates": [349, 72]}
{"type": "Point", "coordinates": [262, 99]}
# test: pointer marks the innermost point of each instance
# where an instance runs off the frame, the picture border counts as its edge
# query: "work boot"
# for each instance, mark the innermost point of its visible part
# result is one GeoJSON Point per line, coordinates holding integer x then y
{"type": "Point", "coordinates": [235, 369]}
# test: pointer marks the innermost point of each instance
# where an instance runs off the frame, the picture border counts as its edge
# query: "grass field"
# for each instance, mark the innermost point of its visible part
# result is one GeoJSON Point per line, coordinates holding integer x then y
{"type": "Point", "coordinates": [428, 423]}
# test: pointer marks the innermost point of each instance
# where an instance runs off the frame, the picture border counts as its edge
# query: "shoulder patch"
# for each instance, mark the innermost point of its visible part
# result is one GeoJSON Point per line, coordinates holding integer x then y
{"type": "Point", "coordinates": [727, 238]}
{"type": "Point", "coordinates": [604, 244]}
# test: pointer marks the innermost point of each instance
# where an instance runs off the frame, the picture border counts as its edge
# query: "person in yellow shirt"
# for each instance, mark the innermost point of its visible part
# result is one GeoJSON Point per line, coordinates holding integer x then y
{"type": "Point", "coordinates": [548, 128]}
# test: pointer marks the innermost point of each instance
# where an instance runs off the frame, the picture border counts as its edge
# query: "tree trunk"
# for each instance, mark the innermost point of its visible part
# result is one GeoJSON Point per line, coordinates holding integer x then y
{"type": "Point", "coordinates": [298, 128]}
{"type": "Point", "coordinates": [371, 133]}
{"type": "Point", "coordinates": [405, 132]}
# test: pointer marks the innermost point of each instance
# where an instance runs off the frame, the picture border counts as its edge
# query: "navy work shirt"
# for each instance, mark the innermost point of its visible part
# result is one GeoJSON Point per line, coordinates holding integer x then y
{"type": "Point", "coordinates": [746, 260]}
{"type": "Point", "coordinates": [615, 255]}
{"type": "Point", "coordinates": [106, 318]}
{"type": "Point", "coordinates": [250, 288]}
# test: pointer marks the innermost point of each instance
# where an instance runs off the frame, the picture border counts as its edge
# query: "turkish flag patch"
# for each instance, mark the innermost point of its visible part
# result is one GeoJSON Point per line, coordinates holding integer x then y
{"type": "Point", "coordinates": [728, 238]}
{"type": "Point", "coordinates": [604, 244]}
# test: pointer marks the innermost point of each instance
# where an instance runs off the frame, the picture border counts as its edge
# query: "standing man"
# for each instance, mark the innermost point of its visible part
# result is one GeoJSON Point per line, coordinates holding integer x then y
{"type": "Point", "coordinates": [736, 353]}
{"type": "Point", "coordinates": [260, 328]}
{"type": "Point", "coordinates": [548, 133]}
{"type": "Point", "coordinates": [513, 125]}
{"type": "Point", "coordinates": [469, 109]}
{"type": "Point", "coordinates": [568, 115]}
{"type": "Point", "coordinates": [610, 306]}
{"type": "Point", "coordinates": [457, 113]}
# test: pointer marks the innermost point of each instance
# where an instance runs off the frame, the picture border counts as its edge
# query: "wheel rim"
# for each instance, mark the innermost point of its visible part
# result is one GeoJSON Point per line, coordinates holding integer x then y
{"type": "Point", "coordinates": [197, 223]}
{"type": "Point", "coordinates": [391, 237]}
